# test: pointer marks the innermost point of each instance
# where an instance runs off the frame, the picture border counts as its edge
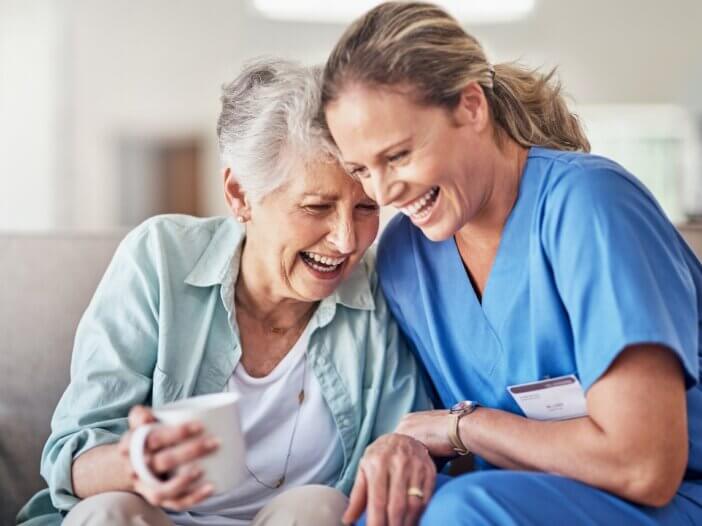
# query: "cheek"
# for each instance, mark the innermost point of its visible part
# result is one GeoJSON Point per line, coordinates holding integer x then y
{"type": "Point", "coordinates": [366, 233]}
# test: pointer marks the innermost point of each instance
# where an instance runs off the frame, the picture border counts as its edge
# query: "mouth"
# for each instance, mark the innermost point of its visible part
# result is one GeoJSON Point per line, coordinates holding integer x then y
{"type": "Point", "coordinates": [321, 266]}
{"type": "Point", "coordinates": [422, 207]}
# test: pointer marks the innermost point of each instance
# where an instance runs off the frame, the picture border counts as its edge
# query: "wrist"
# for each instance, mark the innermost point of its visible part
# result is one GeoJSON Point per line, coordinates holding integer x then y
{"type": "Point", "coordinates": [468, 428]}
{"type": "Point", "coordinates": [457, 413]}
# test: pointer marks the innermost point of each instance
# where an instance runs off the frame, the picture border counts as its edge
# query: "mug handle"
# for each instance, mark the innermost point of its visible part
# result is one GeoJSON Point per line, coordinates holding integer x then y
{"type": "Point", "coordinates": [136, 454]}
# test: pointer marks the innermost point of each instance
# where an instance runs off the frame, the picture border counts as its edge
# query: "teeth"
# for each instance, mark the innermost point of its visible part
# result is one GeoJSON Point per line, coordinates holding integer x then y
{"type": "Point", "coordinates": [419, 203]}
{"type": "Point", "coordinates": [325, 260]}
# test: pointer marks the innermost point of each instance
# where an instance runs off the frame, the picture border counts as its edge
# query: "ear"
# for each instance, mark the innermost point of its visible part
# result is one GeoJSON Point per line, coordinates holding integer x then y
{"type": "Point", "coordinates": [472, 109]}
{"type": "Point", "coordinates": [236, 197]}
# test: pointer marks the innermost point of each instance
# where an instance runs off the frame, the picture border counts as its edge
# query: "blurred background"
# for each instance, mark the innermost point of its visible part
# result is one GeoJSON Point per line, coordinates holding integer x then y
{"type": "Point", "coordinates": [108, 108]}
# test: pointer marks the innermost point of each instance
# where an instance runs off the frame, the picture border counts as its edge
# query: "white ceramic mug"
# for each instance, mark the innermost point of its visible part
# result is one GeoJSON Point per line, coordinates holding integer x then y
{"type": "Point", "coordinates": [219, 415]}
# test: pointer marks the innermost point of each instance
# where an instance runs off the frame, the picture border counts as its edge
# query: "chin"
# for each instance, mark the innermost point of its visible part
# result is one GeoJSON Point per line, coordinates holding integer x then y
{"type": "Point", "coordinates": [439, 232]}
{"type": "Point", "coordinates": [317, 292]}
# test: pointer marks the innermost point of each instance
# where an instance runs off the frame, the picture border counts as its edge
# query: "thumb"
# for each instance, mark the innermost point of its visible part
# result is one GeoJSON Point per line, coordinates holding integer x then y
{"type": "Point", "coordinates": [140, 415]}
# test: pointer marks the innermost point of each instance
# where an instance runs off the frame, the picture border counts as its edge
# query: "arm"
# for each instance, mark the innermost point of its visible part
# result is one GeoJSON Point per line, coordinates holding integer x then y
{"type": "Point", "coordinates": [111, 371]}
{"type": "Point", "coordinates": [632, 310]}
{"type": "Point", "coordinates": [633, 443]}
{"type": "Point", "coordinates": [99, 470]}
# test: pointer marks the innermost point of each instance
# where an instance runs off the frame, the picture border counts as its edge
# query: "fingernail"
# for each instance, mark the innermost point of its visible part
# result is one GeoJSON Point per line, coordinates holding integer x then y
{"type": "Point", "coordinates": [195, 471]}
{"type": "Point", "coordinates": [208, 488]}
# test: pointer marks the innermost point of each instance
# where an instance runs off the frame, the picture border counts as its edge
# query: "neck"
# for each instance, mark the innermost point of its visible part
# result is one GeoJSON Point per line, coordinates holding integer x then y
{"type": "Point", "coordinates": [254, 293]}
{"type": "Point", "coordinates": [506, 168]}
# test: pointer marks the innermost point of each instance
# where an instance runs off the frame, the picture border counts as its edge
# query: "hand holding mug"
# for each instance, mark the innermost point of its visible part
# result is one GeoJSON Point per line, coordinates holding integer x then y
{"type": "Point", "coordinates": [171, 453]}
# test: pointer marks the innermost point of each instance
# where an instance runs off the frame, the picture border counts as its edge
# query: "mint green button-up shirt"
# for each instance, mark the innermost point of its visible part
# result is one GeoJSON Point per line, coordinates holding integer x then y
{"type": "Point", "coordinates": [161, 327]}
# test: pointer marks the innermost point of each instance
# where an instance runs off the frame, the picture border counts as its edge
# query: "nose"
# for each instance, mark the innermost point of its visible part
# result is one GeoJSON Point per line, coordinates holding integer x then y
{"type": "Point", "coordinates": [385, 189]}
{"type": "Point", "coordinates": [342, 234]}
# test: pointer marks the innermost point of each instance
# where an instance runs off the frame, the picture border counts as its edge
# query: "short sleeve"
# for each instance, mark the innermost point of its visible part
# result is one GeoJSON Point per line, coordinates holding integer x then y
{"type": "Point", "coordinates": [620, 270]}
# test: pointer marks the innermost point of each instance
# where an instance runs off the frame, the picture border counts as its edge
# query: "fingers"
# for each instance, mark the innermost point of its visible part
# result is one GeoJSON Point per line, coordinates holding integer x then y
{"type": "Point", "coordinates": [168, 459]}
{"type": "Point", "coordinates": [397, 492]}
{"type": "Point", "coordinates": [166, 436]}
{"type": "Point", "coordinates": [201, 493]}
{"type": "Point", "coordinates": [377, 477]}
{"type": "Point", "coordinates": [421, 478]}
{"type": "Point", "coordinates": [390, 467]}
{"type": "Point", "coordinates": [357, 499]}
{"type": "Point", "coordinates": [177, 493]}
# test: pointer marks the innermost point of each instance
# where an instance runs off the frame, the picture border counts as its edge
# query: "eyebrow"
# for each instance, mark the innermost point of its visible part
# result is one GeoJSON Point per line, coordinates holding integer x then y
{"type": "Point", "coordinates": [331, 197]}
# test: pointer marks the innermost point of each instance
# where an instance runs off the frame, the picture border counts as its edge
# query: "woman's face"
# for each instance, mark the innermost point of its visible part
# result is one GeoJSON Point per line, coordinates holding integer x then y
{"type": "Point", "coordinates": [426, 161]}
{"type": "Point", "coordinates": [309, 234]}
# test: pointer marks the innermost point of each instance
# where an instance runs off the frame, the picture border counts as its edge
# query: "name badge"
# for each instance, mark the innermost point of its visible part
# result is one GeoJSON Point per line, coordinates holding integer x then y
{"type": "Point", "coordinates": [559, 398]}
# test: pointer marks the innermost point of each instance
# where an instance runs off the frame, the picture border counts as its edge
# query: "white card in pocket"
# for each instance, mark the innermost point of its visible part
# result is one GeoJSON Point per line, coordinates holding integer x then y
{"type": "Point", "coordinates": [559, 398]}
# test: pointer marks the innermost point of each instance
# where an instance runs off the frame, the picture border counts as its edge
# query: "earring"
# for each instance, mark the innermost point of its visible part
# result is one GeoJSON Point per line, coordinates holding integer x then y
{"type": "Point", "coordinates": [240, 219]}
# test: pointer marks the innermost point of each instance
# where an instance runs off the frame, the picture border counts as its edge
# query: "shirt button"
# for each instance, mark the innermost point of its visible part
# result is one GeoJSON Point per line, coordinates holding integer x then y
{"type": "Point", "coordinates": [322, 361]}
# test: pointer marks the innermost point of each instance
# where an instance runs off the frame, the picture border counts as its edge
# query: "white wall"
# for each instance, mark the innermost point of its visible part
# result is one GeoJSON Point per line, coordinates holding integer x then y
{"type": "Point", "coordinates": [154, 67]}
{"type": "Point", "coordinates": [29, 112]}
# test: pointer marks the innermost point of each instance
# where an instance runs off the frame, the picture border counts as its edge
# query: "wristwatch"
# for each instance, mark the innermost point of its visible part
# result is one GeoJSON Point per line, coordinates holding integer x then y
{"type": "Point", "coordinates": [457, 412]}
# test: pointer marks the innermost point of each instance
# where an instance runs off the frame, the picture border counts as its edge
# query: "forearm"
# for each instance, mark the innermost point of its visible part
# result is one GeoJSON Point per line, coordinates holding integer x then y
{"type": "Point", "coordinates": [577, 449]}
{"type": "Point", "coordinates": [99, 470]}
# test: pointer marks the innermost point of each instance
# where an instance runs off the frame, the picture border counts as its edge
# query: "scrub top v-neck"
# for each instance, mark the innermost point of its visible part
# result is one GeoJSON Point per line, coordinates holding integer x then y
{"type": "Point", "coordinates": [587, 265]}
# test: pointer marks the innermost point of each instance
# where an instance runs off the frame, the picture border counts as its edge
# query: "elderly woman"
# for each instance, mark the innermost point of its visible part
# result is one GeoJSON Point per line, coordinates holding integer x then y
{"type": "Point", "coordinates": [281, 297]}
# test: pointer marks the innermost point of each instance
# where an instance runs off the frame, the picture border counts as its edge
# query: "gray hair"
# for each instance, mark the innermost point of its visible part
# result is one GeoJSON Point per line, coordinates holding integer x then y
{"type": "Point", "coordinates": [270, 122]}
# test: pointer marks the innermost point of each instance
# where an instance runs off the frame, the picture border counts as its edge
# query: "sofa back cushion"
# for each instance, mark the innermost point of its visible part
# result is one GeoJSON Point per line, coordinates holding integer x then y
{"type": "Point", "coordinates": [46, 282]}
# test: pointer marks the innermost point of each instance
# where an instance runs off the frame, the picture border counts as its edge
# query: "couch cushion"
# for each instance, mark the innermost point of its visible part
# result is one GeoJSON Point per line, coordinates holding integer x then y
{"type": "Point", "coordinates": [46, 281]}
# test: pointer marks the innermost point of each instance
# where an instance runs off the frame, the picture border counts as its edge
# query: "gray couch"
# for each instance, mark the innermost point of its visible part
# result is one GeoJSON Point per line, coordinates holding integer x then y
{"type": "Point", "coordinates": [46, 283]}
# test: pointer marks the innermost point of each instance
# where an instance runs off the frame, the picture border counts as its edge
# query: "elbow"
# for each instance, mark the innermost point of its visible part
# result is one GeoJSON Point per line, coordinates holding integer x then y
{"type": "Point", "coordinates": [655, 481]}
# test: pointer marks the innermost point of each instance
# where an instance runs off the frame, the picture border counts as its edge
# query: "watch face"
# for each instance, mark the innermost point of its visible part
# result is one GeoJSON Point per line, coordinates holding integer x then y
{"type": "Point", "coordinates": [463, 406]}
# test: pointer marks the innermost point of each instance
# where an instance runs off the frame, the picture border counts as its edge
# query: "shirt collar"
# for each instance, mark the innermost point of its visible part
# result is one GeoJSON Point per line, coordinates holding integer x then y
{"type": "Point", "coordinates": [219, 265]}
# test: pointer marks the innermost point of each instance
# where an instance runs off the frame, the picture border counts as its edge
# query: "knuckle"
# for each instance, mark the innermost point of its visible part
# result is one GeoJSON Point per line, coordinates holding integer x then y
{"type": "Point", "coordinates": [378, 502]}
{"type": "Point", "coordinates": [396, 509]}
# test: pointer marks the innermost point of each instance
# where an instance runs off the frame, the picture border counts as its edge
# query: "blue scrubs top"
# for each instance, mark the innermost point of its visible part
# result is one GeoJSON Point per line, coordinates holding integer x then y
{"type": "Point", "coordinates": [588, 264]}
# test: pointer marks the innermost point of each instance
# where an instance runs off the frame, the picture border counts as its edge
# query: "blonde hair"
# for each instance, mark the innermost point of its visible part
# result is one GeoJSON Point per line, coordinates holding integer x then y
{"type": "Point", "coordinates": [419, 44]}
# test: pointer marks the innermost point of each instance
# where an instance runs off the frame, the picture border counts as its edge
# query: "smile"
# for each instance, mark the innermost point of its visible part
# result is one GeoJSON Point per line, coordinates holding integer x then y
{"type": "Point", "coordinates": [322, 263]}
{"type": "Point", "coordinates": [422, 206]}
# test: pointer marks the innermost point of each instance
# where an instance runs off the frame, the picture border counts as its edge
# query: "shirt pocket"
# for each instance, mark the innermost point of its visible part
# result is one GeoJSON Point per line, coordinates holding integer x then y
{"type": "Point", "coordinates": [165, 388]}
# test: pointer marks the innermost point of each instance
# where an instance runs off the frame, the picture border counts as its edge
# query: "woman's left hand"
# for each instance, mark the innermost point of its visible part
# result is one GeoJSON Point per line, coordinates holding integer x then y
{"type": "Point", "coordinates": [431, 429]}
{"type": "Point", "coordinates": [395, 480]}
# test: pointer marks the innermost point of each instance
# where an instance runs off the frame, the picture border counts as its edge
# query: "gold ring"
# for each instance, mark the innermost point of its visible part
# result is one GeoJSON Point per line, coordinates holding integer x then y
{"type": "Point", "coordinates": [414, 491]}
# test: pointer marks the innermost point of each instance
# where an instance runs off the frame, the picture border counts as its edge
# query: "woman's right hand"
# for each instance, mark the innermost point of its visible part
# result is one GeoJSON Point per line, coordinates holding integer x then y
{"type": "Point", "coordinates": [167, 451]}
{"type": "Point", "coordinates": [395, 480]}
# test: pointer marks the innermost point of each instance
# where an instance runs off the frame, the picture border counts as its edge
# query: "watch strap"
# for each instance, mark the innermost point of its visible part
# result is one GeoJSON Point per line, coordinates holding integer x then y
{"type": "Point", "coordinates": [453, 436]}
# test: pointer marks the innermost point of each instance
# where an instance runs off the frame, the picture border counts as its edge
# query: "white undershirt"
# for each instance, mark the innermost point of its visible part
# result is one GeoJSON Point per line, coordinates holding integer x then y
{"type": "Point", "coordinates": [268, 409]}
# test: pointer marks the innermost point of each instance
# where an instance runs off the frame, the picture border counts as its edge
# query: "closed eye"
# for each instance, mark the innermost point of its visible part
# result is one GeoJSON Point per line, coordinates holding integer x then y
{"type": "Point", "coordinates": [368, 207]}
{"type": "Point", "coordinates": [358, 172]}
{"type": "Point", "coordinates": [398, 156]}
{"type": "Point", "coordinates": [318, 208]}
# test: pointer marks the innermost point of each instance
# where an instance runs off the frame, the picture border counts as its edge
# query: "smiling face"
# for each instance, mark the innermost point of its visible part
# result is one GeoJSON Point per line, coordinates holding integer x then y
{"type": "Point", "coordinates": [308, 235]}
{"type": "Point", "coordinates": [431, 163]}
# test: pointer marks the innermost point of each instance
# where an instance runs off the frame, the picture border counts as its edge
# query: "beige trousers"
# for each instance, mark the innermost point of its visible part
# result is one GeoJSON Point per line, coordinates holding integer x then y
{"type": "Point", "coordinates": [302, 506]}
